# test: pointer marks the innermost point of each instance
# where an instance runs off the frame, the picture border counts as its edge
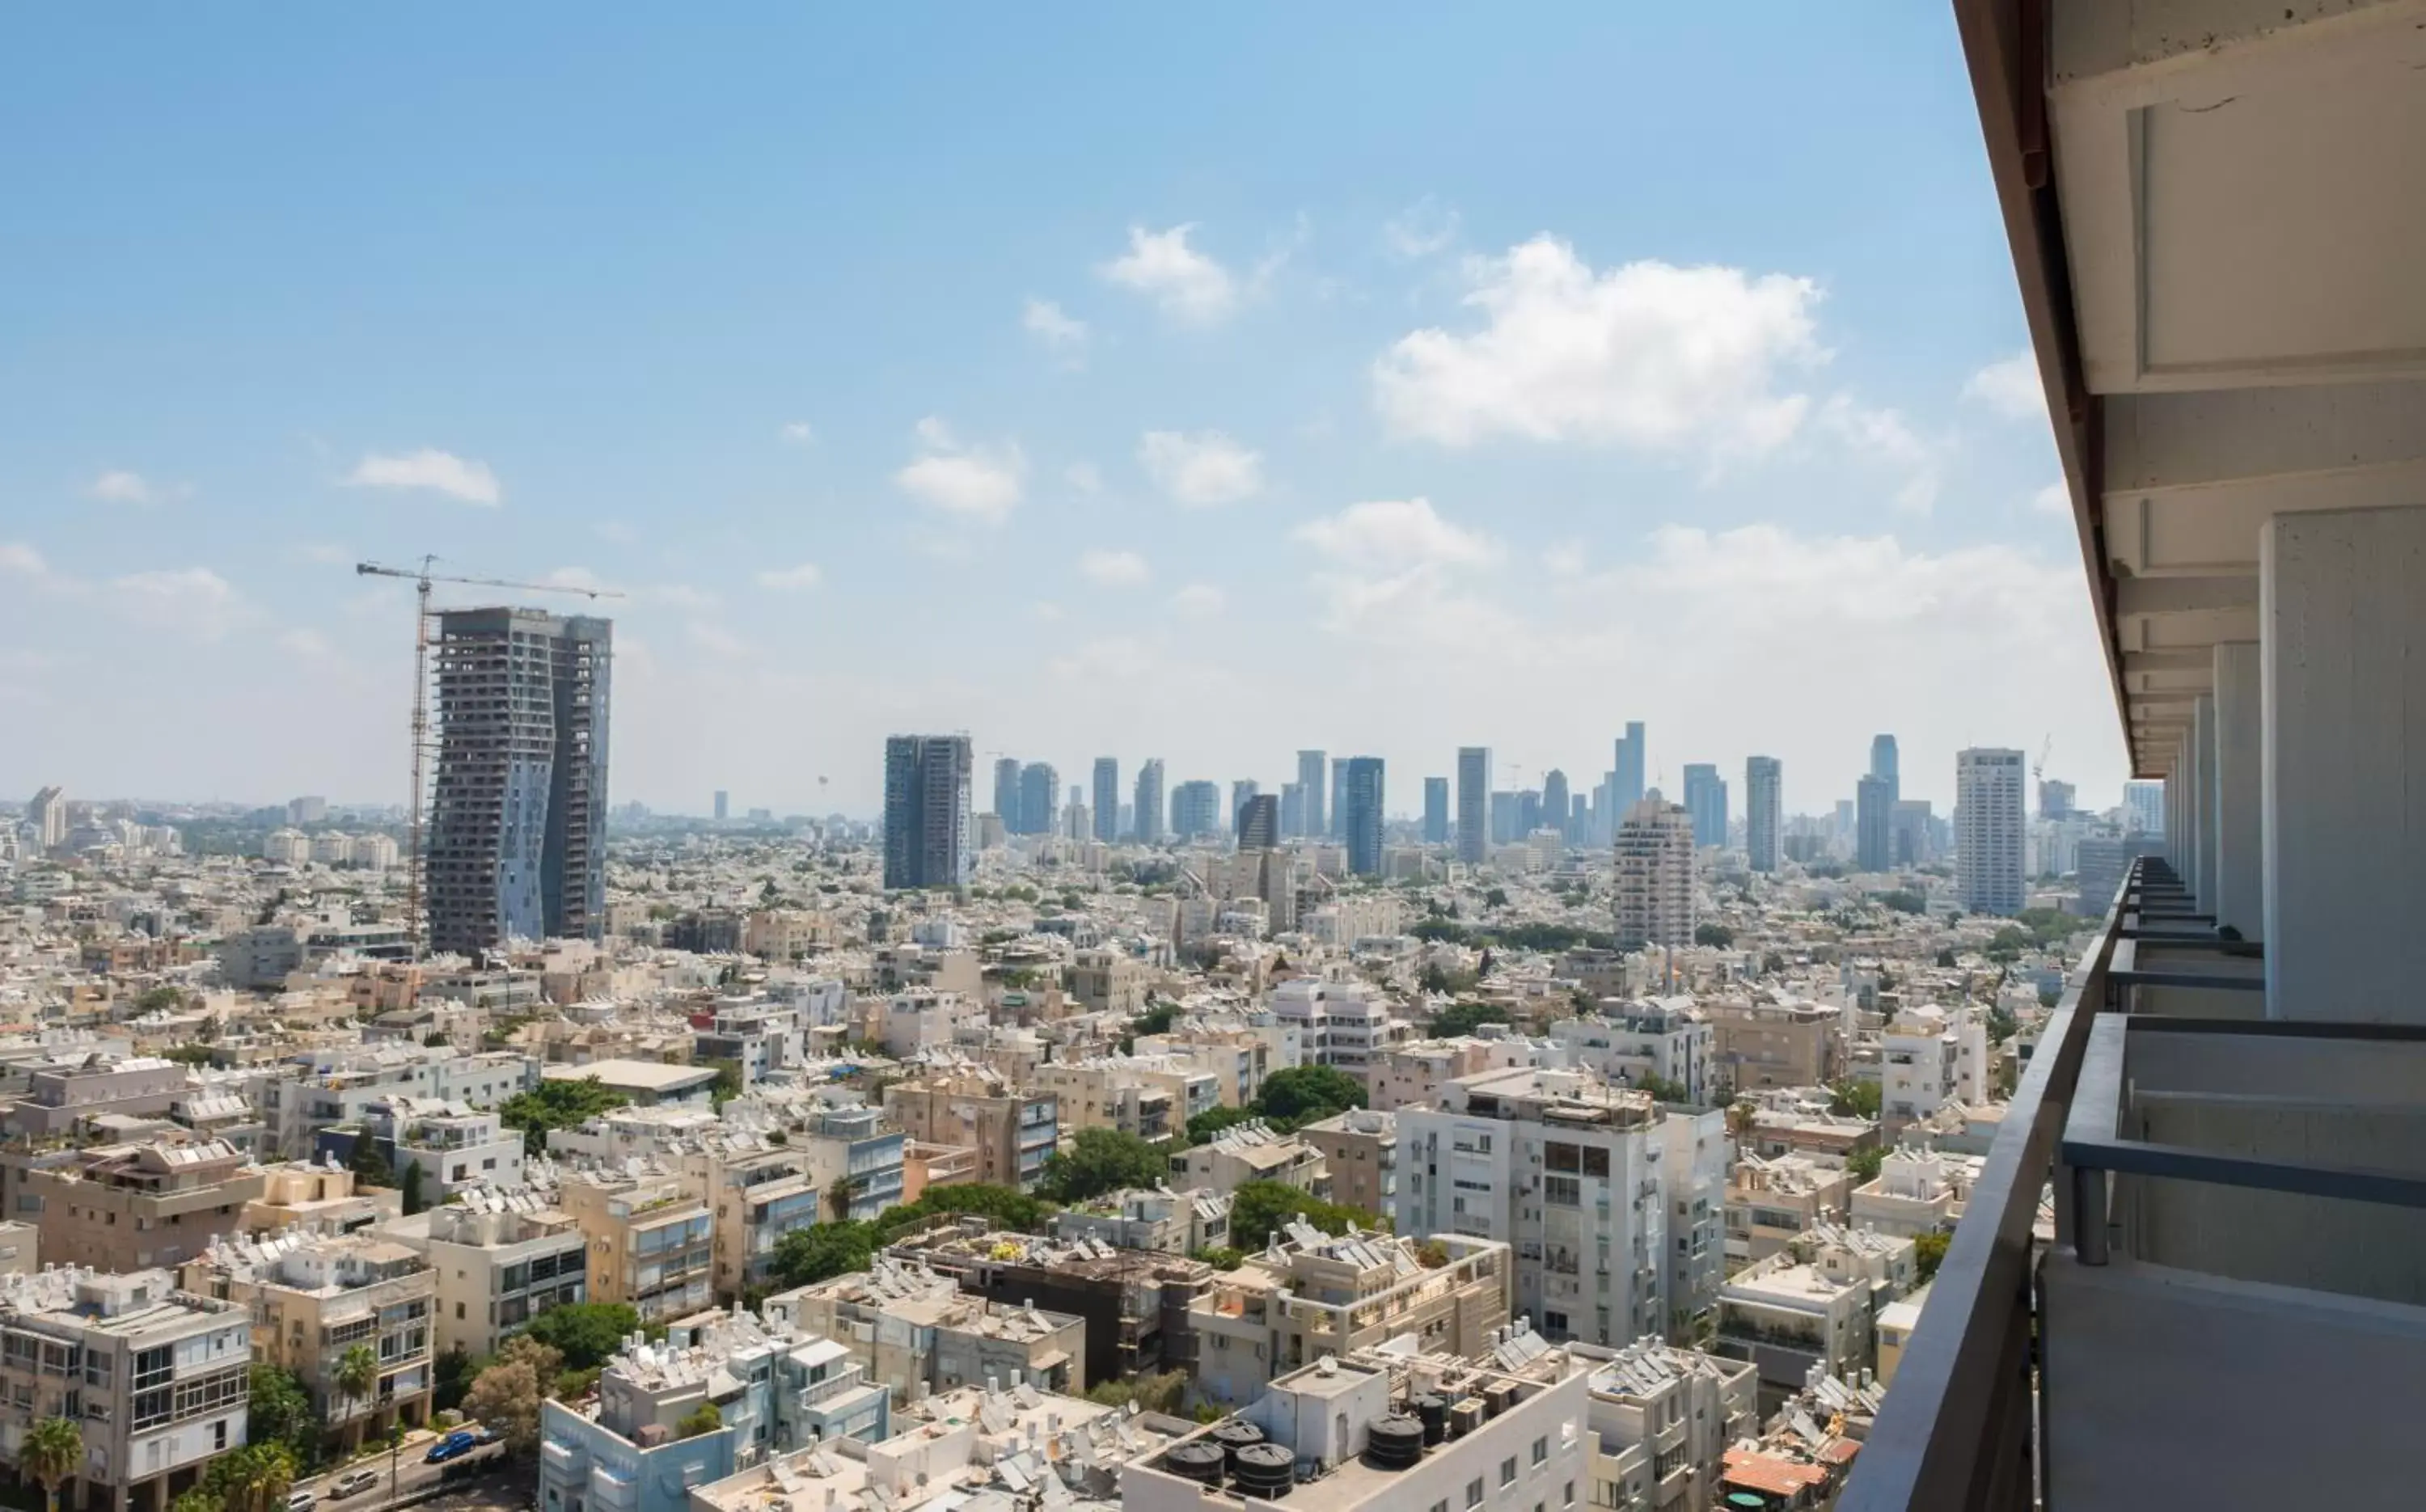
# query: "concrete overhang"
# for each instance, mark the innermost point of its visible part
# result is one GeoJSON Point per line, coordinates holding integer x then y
{"type": "Point", "coordinates": [2217, 227]}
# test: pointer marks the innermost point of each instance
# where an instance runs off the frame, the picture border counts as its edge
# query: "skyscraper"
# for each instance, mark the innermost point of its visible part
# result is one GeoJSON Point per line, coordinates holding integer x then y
{"type": "Point", "coordinates": [1886, 764]}
{"type": "Point", "coordinates": [1705, 799]}
{"type": "Point", "coordinates": [930, 835]}
{"type": "Point", "coordinates": [1040, 786]}
{"type": "Point", "coordinates": [1472, 804]}
{"type": "Point", "coordinates": [1654, 877]}
{"type": "Point", "coordinates": [1361, 814]}
{"type": "Point", "coordinates": [1312, 779]}
{"type": "Point", "coordinates": [2055, 800]}
{"type": "Point", "coordinates": [1107, 798]}
{"type": "Point", "coordinates": [1764, 811]}
{"type": "Point", "coordinates": [1292, 809]}
{"type": "Point", "coordinates": [1338, 782]}
{"type": "Point", "coordinates": [1241, 791]}
{"type": "Point", "coordinates": [1436, 810]}
{"type": "Point", "coordinates": [518, 814]}
{"type": "Point", "coordinates": [723, 805]}
{"type": "Point", "coordinates": [1554, 800]}
{"type": "Point", "coordinates": [1006, 792]}
{"type": "Point", "coordinates": [1628, 780]}
{"type": "Point", "coordinates": [1874, 807]}
{"type": "Point", "coordinates": [1148, 816]}
{"type": "Point", "coordinates": [1195, 810]}
{"type": "Point", "coordinates": [2144, 808]}
{"type": "Point", "coordinates": [48, 815]}
{"type": "Point", "coordinates": [1259, 823]}
{"type": "Point", "coordinates": [1988, 830]}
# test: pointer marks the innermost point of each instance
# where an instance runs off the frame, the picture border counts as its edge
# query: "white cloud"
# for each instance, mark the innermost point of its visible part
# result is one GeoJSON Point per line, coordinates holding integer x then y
{"type": "Point", "coordinates": [1060, 334]}
{"type": "Point", "coordinates": [432, 471]}
{"type": "Point", "coordinates": [2010, 387]}
{"type": "Point", "coordinates": [16, 556]}
{"type": "Point", "coordinates": [1083, 476]}
{"type": "Point", "coordinates": [119, 487]}
{"type": "Point", "coordinates": [806, 575]}
{"type": "Point", "coordinates": [1883, 439]}
{"type": "Point", "coordinates": [1115, 569]}
{"type": "Point", "coordinates": [1187, 285]}
{"type": "Point", "coordinates": [1646, 355]}
{"type": "Point", "coordinates": [1422, 229]}
{"type": "Point", "coordinates": [1564, 558]}
{"type": "Point", "coordinates": [1395, 535]}
{"type": "Point", "coordinates": [2055, 499]}
{"type": "Point", "coordinates": [1207, 468]}
{"type": "Point", "coordinates": [578, 578]}
{"type": "Point", "coordinates": [799, 433]}
{"type": "Point", "coordinates": [682, 596]}
{"type": "Point", "coordinates": [1199, 600]}
{"type": "Point", "coordinates": [307, 644]}
{"type": "Point", "coordinates": [192, 600]}
{"type": "Point", "coordinates": [716, 640]}
{"type": "Point", "coordinates": [976, 483]}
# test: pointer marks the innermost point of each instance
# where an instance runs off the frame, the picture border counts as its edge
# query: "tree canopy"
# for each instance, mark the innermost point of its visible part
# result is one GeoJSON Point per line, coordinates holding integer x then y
{"type": "Point", "coordinates": [1306, 1094]}
{"type": "Point", "coordinates": [1856, 1100]}
{"type": "Point", "coordinates": [586, 1334]}
{"type": "Point", "coordinates": [1716, 935]}
{"type": "Point", "coordinates": [1464, 1018]}
{"type": "Point", "coordinates": [1102, 1160]}
{"type": "Point", "coordinates": [1258, 1208]}
{"type": "Point", "coordinates": [557, 1104]}
{"type": "Point", "coordinates": [1928, 1253]}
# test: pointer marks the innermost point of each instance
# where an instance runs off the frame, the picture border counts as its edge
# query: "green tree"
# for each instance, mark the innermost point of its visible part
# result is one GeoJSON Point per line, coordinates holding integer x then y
{"type": "Point", "coordinates": [368, 1164]}
{"type": "Point", "coordinates": [2001, 1026]}
{"type": "Point", "coordinates": [1495, 898]}
{"type": "Point", "coordinates": [279, 1407]}
{"type": "Point", "coordinates": [52, 1452]}
{"type": "Point", "coordinates": [1202, 1128]}
{"type": "Point", "coordinates": [823, 1251]}
{"type": "Point", "coordinates": [414, 1202]}
{"type": "Point", "coordinates": [1155, 1019]}
{"type": "Point", "coordinates": [705, 1420]}
{"type": "Point", "coordinates": [1304, 1094]}
{"type": "Point", "coordinates": [1221, 1257]}
{"type": "Point", "coordinates": [1853, 1099]}
{"type": "Point", "coordinates": [564, 1103]}
{"type": "Point", "coordinates": [255, 1478]}
{"type": "Point", "coordinates": [1152, 1393]}
{"type": "Point", "coordinates": [358, 1375]}
{"type": "Point", "coordinates": [1903, 900]}
{"type": "Point", "coordinates": [585, 1333]}
{"type": "Point", "coordinates": [1099, 1161]}
{"type": "Point", "coordinates": [1928, 1253]}
{"type": "Point", "coordinates": [158, 998]}
{"type": "Point", "coordinates": [1716, 935]}
{"type": "Point", "coordinates": [1661, 1088]}
{"type": "Point", "coordinates": [1259, 1207]}
{"type": "Point", "coordinates": [1006, 1207]}
{"type": "Point", "coordinates": [1865, 1163]}
{"type": "Point", "coordinates": [504, 1400]}
{"type": "Point", "coordinates": [1464, 1018]}
{"type": "Point", "coordinates": [453, 1371]}
{"type": "Point", "coordinates": [1946, 957]}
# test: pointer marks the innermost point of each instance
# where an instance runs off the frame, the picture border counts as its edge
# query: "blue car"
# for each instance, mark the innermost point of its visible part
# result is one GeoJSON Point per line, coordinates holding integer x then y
{"type": "Point", "coordinates": [461, 1441]}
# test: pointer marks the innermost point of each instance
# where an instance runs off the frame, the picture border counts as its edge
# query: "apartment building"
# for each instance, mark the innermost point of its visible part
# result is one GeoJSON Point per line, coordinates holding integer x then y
{"type": "Point", "coordinates": [909, 1327]}
{"type": "Point", "coordinates": [1631, 1042]}
{"type": "Point", "coordinates": [316, 1296]}
{"type": "Point", "coordinates": [649, 1083]}
{"type": "Point", "coordinates": [1771, 1201]}
{"type": "Point", "coordinates": [61, 1095]}
{"type": "Point", "coordinates": [1813, 1304]}
{"type": "Point", "coordinates": [1341, 1023]}
{"type": "Point", "coordinates": [1104, 980]}
{"type": "Point", "coordinates": [651, 1240]}
{"type": "Point", "coordinates": [1653, 880]}
{"type": "Point", "coordinates": [1168, 1222]}
{"type": "Point", "coordinates": [1252, 1151]}
{"type": "Point", "coordinates": [1014, 1131]}
{"type": "Point", "coordinates": [456, 1145]}
{"type": "Point", "coordinates": [136, 1205]}
{"type": "Point", "coordinates": [338, 1085]}
{"type": "Point", "coordinates": [501, 1259]}
{"type": "Point", "coordinates": [1929, 1057]}
{"type": "Point", "coordinates": [1661, 1421]}
{"type": "Point", "coordinates": [1413, 1073]}
{"type": "Point", "coordinates": [155, 1376]}
{"type": "Point", "coordinates": [1333, 1296]}
{"type": "Point", "coordinates": [755, 1037]}
{"type": "Point", "coordinates": [1916, 1191]}
{"type": "Point", "coordinates": [1238, 1059]}
{"type": "Point", "coordinates": [1759, 1043]}
{"type": "Point", "coordinates": [855, 1157]}
{"type": "Point", "coordinates": [325, 1198]}
{"type": "Point", "coordinates": [1579, 1176]}
{"type": "Point", "coordinates": [1136, 1303]}
{"type": "Point", "coordinates": [1360, 1152]}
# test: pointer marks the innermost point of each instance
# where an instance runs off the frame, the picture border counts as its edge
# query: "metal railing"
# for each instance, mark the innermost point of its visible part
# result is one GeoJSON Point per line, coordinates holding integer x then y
{"type": "Point", "coordinates": [1959, 1426]}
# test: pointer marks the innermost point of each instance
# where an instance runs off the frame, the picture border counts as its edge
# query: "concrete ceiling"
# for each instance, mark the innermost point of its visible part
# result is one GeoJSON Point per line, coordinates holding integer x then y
{"type": "Point", "coordinates": [2218, 212]}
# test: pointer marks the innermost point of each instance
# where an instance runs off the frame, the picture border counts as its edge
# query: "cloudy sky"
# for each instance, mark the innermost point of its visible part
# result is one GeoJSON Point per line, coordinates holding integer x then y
{"type": "Point", "coordinates": [1200, 385]}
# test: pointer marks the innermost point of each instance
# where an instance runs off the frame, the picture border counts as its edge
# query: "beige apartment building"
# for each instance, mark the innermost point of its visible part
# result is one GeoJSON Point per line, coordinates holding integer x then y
{"type": "Point", "coordinates": [651, 1241]}
{"type": "Point", "coordinates": [1759, 1044]}
{"type": "Point", "coordinates": [316, 1296]}
{"type": "Point", "coordinates": [1108, 981]}
{"type": "Point", "coordinates": [1240, 1060]}
{"type": "Point", "coordinates": [130, 1206]}
{"type": "Point", "coordinates": [502, 1259]}
{"type": "Point", "coordinates": [1413, 1075]}
{"type": "Point", "coordinates": [1013, 1131]}
{"type": "Point", "coordinates": [1251, 1152]}
{"type": "Point", "coordinates": [1360, 1147]}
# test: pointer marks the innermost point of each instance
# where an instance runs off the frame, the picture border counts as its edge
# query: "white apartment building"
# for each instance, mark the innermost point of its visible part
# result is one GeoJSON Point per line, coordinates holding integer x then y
{"type": "Point", "coordinates": [1583, 1179]}
{"type": "Point", "coordinates": [1989, 813]}
{"type": "Point", "coordinates": [340, 1085]}
{"type": "Point", "coordinates": [502, 1259]}
{"type": "Point", "coordinates": [1815, 1303]}
{"type": "Point", "coordinates": [1916, 1191]}
{"type": "Point", "coordinates": [456, 1145]}
{"type": "Point", "coordinates": [1341, 1023]}
{"type": "Point", "coordinates": [1929, 1056]}
{"type": "Point", "coordinates": [1666, 1037]}
{"type": "Point", "coordinates": [1662, 1420]}
{"type": "Point", "coordinates": [1173, 1223]}
{"type": "Point", "coordinates": [1653, 878]}
{"type": "Point", "coordinates": [1252, 1151]}
{"type": "Point", "coordinates": [921, 1018]}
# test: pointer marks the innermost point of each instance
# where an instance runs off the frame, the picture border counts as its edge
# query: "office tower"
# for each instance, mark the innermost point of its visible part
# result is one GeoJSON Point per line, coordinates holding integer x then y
{"type": "Point", "coordinates": [1528, 815]}
{"type": "Point", "coordinates": [1579, 817]}
{"type": "Point", "coordinates": [1988, 824]}
{"type": "Point", "coordinates": [1505, 810]}
{"type": "Point", "coordinates": [1654, 880]}
{"type": "Point", "coordinates": [1039, 786]}
{"type": "Point", "coordinates": [1006, 792]}
{"type": "Point", "coordinates": [1292, 809]}
{"type": "Point", "coordinates": [1764, 811]}
{"type": "Point", "coordinates": [303, 811]}
{"type": "Point", "coordinates": [2055, 800]}
{"type": "Point", "coordinates": [48, 815]}
{"type": "Point", "coordinates": [1361, 815]}
{"type": "Point", "coordinates": [1874, 824]}
{"type": "Point", "coordinates": [1914, 843]}
{"type": "Point", "coordinates": [723, 805]}
{"type": "Point", "coordinates": [1076, 822]}
{"type": "Point", "coordinates": [1887, 765]}
{"type": "Point", "coordinates": [1472, 804]}
{"type": "Point", "coordinates": [1259, 823]}
{"type": "Point", "coordinates": [1240, 792]}
{"type": "Point", "coordinates": [1147, 811]}
{"type": "Point", "coordinates": [1313, 768]}
{"type": "Point", "coordinates": [2144, 808]}
{"type": "Point", "coordinates": [1626, 782]}
{"type": "Point", "coordinates": [1705, 799]}
{"type": "Point", "coordinates": [1107, 798]}
{"type": "Point", "coordinates": [928, 827]}
{"type": "Point", "coordinates": [1338, 781]}
{"type": "Point", "coordinates": [1436, 810]}
{"type": "Point", "coordinates": [517, 844]}
{"type": "Point", "coordinates": [1195, 810]}
{"type": "Point", "coordinates": [1554, 799]}
{"type": "Point", "coordinates": [1848, 821]}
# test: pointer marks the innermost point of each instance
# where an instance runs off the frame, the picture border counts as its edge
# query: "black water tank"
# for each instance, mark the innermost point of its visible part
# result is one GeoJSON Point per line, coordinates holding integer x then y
{"type": "Point", "coordinates": [1233, 1435]}
{"type": "Point", "coordinates": [1265, 1471]}
{"type": "Point", "coordinates": [1198, 1461]}
{"type": "Point", "coordinates": [1432, 1409]}
{"type": "Point", "coordinates": [1394, 1443]}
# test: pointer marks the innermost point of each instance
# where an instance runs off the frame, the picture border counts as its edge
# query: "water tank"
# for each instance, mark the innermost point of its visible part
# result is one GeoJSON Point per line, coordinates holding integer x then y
{"type": "Point", "coordinates": [1432, 1409]}
{"type": "Point", "coordinates": [1232, 1436]}
{"type": "Point", "coordinates": [1394, 1443]}
{"type": "Point", "coordinates": [1264, 1470]}
{"type": "Point", "coordinates": [1198, 1461]}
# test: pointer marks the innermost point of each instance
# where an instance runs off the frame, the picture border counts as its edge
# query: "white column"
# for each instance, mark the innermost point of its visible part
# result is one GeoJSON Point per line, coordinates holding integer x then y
{"type": "Point", "coordinates": [2203, 734]}
{"type": "Point", "coordinates": [2342, 625]}
{"type": "Point", "coordinates": [2240, 790]}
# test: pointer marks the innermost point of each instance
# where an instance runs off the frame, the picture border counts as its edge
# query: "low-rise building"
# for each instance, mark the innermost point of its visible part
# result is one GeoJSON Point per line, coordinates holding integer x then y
{"type": "Point", "coordinates": [649, 1083]}
{"type": "Point", "coordinates": [1360, 1154]}
{"type": "Point", "coordinates": [651, 1240]}
{"type": "Point", "coordinates": [1014, 1131]}
{"type": "Point", "coordinates": [313, 1297]}
{"type": "Point", "coordinates": [1763, 1043]}
{"type": "Point", "coordinates": [134, 1206]}
{"type": "Point", "coordinates": [1135, 1303]}
{"type": "Point", "coordinates": [1813, 1304]}
{"type": "Point", "coordinates": [1252, 1151]}
{"type": "Point", "coordinates": [502, 1259]}
{"type": "Point", "coordinates": [1171, 1223]}
{"type": "Point", "coordinates": [1916, 1191]}
{"type": "Point", "coordinates": [1769, 1202]}
{"type": "Point", "coordinates": [1634, 1042]}
{"type": "Point", "coordinates": [912, 1327]}
{"type": "Point", "coordinates": [1662, 1420]}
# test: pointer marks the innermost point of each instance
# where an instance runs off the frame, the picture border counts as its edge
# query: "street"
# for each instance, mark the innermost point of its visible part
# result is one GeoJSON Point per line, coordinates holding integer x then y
{"type": "Point", "coordinates": [498, 1489]}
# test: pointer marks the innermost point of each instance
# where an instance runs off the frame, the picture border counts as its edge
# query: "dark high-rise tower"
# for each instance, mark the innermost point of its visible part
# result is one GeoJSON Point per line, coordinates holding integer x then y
{"type": "Point", "coordinates": [1554, 799]}
{"type": "Point", "coordinates": [930, 836]}
{"type": "Point", "coordinates": [1313, 783]}
{"type": "Point", "coordinates": [1874, 823]}
{"type": "Point", "coordinates": [1006, 792]}
{"type": "Point", "coordinates": [1039, 787]}
{"type": "Point", "coordinates": [1107, 798]}
{"type": "Point", "coordinates": [1259, 823]}
{"type": "Point", "coordinates": [1472, 804]}
{"type": "Point", "coordinates": [1764, 811]}
{"type": "Point", "coordinates": [1705, 799]}
{"type": "Point", "coordinates": [518, 815]}
{"type": "Point", "coordinates": [1436, 810]}
{"type": "Point", "coordinates": [1361, 814]}
{"type": "Point", "coordinates": [1628, 779]}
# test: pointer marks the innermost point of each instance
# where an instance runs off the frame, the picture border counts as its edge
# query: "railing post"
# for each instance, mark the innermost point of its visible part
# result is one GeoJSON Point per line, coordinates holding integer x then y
{"type": "Point", "coordinates": [2091, 1234]}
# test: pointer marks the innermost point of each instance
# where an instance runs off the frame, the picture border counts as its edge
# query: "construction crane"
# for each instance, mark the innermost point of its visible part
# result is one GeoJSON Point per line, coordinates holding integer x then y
{"type": "Point", "coordinates": [2038, 768]}
{"type": "Point", "coordinates": [421, 579]}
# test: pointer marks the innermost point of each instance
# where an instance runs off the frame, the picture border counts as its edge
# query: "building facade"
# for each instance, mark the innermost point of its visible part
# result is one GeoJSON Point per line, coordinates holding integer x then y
{"type": "Point", "coordinates": [1764, 811]}
{"type": "Point", "coordinates": [1654, 877]}
{"type": "Point", "coordinates": [1988, 801]}
{"type": "Point", "coordinates": [1361, 806]}
{"type": "Point", "coordinates": [1472, 804]}
{"type": "Point", "coordinates": [929, 834]}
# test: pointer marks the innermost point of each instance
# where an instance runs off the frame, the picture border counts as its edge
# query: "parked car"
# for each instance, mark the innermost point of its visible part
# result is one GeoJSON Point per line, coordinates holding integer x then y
{"type": "Point", "coordinates": [485, 1435]}
{"type": "Point", "coordinates": [301, 1501]}
{"type": "Point", "coordinates": [351, 1482]}
{"type": "Point", "coordinates": [461, 1441]}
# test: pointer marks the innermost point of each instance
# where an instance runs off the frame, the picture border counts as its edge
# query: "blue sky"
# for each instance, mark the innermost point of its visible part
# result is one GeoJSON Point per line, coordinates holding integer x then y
{"type": "Point", "coordinates": [1201, 385]}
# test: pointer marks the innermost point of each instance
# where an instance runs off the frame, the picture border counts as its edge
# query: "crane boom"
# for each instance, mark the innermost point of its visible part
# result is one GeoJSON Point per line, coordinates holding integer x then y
{"type": "Point", "coordinates": [421, 578]}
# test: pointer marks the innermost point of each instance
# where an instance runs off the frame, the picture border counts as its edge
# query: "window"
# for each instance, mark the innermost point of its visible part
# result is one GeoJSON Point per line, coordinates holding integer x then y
{"type": "Point", "coordinates": [1474, 1493]}
{"type": "Point", "coordinates": [1561, 1191]}
{"type": "Point", "coordinates": [1571, 1495]}
{"type": "Point", "coordinates": [1508, 1471]}
{"type": "Point", "coordinates": [1595, 1162]}
{"type": "Point", "coordinates": [1559, 1157]}
{"type": "Point", "coordinates": [1541, 1450]}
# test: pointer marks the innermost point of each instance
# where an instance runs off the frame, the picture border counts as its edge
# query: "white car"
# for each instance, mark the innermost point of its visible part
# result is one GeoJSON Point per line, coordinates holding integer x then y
{"type": "Point", "coordinates": [301, 1501]}
{"type": "Point", "coordinates": [352, 1481]}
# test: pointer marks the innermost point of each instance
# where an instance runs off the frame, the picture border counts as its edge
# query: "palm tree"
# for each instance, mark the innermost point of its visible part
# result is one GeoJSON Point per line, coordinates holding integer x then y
{"type": "Point", "coordinates": [53, 1451]}
{"type": "Point", "coordinates": [258, 1477]}
{"type": "Point", "coordinates": [358, 1375]}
